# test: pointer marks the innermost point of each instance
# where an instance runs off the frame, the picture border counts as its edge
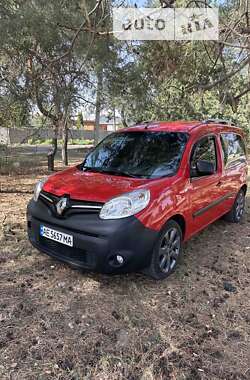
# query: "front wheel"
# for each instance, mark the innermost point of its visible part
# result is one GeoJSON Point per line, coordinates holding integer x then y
{"type": "Point", "coordinates": [236, 214]}
{"type": "Point", "coordinates": [167, 252]}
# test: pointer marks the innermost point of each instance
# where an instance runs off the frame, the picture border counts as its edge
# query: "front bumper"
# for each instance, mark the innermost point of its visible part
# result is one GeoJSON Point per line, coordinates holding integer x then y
{"type": "Point", "coordinates": [96, 241]}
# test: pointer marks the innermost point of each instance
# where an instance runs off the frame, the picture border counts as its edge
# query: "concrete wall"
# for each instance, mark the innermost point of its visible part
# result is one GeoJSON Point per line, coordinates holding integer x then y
{"type": "Point", "coordinates": [4, 136]}
{"type": "Point", "coordinates": [10, 136]}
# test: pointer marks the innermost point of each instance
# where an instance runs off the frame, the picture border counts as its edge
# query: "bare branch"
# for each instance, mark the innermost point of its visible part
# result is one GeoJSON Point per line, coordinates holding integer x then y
{"type": "Point", "coordinates": [237, 97]}
{"type": "Point", "coordinates": [235, 46]}
{"type": "Point", "coordinates": [231, 74]}
{"type": "Point", "coordinates": [78, 31]}
{"type": "Point", "coordinates": [39, 102]}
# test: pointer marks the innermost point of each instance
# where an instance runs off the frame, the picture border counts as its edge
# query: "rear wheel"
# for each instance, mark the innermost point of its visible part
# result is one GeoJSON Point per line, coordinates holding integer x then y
{"type": "Point", "coordinates": [236, 214]}
{"type": "Point", "coordinates": [167, 252]}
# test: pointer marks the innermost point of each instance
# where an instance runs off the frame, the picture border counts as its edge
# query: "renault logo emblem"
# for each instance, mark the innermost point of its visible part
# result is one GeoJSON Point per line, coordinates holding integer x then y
{"type": "Point", "coordinates": [61, 205]}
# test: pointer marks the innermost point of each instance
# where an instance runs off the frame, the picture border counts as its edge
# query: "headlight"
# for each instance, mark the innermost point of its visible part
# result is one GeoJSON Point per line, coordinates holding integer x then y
{"type": "Point", "coordinates": [125, 205]}
{"type": "Point", "coordinates": [38, 188]}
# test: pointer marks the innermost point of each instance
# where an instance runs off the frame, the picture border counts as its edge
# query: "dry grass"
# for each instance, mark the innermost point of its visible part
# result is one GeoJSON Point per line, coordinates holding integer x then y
{"type": "Point", "coordinates": [58, 323]}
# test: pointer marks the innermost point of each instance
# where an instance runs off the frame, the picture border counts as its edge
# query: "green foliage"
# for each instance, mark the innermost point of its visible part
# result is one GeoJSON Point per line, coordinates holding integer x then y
{"type": "Point", "coordinates": [81, 142]}
{"type": "Point", "coordinates": [79, 121]}
{"type": "Point", "coordinates": [36, 141]}
{"type": "Point", "coordinates": [173, 81]}
{"type": "Point", "coordinates": [34, 35]}
{"type": "Point", "coordinates": [142, 81]}
{"type": "Point", "coordinates": [13, 113]}
{"type": "Point", "coordinates": [39, 121]}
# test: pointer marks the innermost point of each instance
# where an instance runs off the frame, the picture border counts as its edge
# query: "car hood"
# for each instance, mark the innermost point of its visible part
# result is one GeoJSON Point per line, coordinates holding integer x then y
{"type": "Point", "coordinates": [91, 186]}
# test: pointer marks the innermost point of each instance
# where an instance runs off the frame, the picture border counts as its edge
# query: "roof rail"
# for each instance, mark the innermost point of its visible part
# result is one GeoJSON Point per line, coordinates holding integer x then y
{"type": "Point", "coordinates": [143, 122]}
{"type": "Point", "coordinates": [140, 123]}
{"type": "Point", "coordinates": [219, 121]}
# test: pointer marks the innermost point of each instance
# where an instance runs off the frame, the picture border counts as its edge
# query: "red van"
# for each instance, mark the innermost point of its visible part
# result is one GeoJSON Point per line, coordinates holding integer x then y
{"type": "Point", "coordinates": [139, 195]}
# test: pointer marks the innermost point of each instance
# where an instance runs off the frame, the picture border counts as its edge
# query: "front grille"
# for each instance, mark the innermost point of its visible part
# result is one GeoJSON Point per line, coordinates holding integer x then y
{"type": "Point", "coordinates": [74, 206]}
{"type": "Point", "coordinates": [77, 255]}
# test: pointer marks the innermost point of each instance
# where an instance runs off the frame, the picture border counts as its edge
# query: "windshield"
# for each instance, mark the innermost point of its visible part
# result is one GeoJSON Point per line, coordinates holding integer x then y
{"type": "Point", "coordinates": [138, 154]}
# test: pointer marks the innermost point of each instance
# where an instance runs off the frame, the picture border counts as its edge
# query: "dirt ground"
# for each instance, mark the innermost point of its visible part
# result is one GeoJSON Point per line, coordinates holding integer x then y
{"type": "Point", "coordinates": [59, 323]}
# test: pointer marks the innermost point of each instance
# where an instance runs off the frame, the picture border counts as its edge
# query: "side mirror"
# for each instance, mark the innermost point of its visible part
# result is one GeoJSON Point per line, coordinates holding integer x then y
{"type": "Point", "coordinates": [205, 167]}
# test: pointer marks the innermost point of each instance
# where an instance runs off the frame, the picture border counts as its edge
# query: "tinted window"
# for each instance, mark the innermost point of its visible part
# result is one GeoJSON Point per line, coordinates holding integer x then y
{"type": "Point", "coordinates": [233, 148]}
{"type": "Point", "coordinates": [204, 150]}
{"type": "Point", "coordinates": [140, 154]}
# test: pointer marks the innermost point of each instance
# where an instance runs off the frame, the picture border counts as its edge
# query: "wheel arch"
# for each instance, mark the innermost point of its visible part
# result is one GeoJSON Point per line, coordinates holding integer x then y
{"type": "Point", "coordinates": [178, 218]}
{"type": "Point", "coordinates": [244, 188]}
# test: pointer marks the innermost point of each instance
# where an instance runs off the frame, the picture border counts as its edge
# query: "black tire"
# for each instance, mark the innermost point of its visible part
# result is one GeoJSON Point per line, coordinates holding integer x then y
{"type": "Point", "coordinates": [236, 214]}
{"type": "Point", "coordinates": [167, 252]}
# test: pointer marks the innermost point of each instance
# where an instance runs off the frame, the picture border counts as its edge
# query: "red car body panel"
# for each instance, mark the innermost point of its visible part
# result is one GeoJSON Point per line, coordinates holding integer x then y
{"type": "Point", "coordinates": [89, 186]}
{"type": "Point", "coordinates": [170, 196]}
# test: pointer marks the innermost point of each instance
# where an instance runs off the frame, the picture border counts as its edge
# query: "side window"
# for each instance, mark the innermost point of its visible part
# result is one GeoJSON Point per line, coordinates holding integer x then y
{"type": "Point", "coordinates": [233, 147]}
{"type": "Point", "coordinates": [204, 150]}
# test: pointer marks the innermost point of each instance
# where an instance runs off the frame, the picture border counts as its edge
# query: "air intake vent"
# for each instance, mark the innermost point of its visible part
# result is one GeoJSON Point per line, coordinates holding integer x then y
{"type": "Point", "coordinates": [74, 206]}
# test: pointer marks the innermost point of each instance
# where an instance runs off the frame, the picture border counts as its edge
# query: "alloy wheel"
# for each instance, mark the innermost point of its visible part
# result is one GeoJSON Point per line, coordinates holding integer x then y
{"type": "Point", "coordinates": [169, 250]}
{"type": "Point", "coordinates": [240, 206]}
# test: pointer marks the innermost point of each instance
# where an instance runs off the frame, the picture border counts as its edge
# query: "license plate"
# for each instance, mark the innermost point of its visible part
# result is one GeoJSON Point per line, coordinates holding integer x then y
{"type": "Point", "coordinates": [58, 236]}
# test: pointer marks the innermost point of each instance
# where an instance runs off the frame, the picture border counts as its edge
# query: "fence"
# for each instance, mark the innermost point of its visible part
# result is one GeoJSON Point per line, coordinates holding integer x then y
{"type": "Point", "coordinates": [9, 136]}
{"type": "Point", "coordinates": [26, 158]}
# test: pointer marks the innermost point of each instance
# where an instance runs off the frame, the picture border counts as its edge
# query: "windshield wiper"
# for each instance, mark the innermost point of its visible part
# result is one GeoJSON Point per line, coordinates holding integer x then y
{"type": "Point", "coordinates": [111, 171]}
{"type": "Point", "coordinates": [96, 170]}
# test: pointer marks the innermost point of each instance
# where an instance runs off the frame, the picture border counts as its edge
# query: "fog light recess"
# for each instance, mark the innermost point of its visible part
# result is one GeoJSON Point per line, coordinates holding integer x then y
{"type": "Point", "coordinates": [116, 261]}
{"type": "Point", "coordinates": [120, 259]}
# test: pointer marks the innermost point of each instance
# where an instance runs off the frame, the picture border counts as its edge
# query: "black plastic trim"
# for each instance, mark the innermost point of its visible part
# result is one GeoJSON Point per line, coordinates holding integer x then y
{"type": "Point", "coordinates": [212, 204]}
{"type": "Point", "coordinates": [96, 241]}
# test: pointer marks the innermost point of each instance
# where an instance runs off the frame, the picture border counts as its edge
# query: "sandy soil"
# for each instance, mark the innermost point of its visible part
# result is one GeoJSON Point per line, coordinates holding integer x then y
{"type": "Point", "coordinates": [59, 323]}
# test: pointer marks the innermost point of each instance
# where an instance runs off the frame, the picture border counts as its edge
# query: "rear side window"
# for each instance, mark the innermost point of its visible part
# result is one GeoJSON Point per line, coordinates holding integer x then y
{"type": "Point", "coordinates": [234, 150]}
{"type": "Point", "coordinates": [204, 150]}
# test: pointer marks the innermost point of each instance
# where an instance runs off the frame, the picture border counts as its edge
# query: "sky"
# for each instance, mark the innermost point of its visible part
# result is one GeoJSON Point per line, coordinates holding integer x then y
{"type": "Point", "coordinates": [139, 3]}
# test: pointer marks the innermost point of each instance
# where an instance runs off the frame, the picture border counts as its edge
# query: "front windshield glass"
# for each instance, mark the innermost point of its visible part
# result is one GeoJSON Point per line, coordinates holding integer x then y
{"type": "Point", "coordinates": [138, 154]}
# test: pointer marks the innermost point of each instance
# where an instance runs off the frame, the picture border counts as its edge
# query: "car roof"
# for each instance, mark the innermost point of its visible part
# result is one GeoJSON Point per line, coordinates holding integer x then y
{"type": "Point", "coordinates": [190, 127]}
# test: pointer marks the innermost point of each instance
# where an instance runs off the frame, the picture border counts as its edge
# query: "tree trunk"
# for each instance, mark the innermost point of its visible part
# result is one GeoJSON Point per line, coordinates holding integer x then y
{"type": "Point", "coordinates": [124, 122]}
{"type": "Point", "coordinates": [114, 119]}
{"type": "Point", "coordinates": [65, 144]}
{"type": "Point", "coordinates": [52, 153]}
{"type": "Point", "coordinates": [98, 105]}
